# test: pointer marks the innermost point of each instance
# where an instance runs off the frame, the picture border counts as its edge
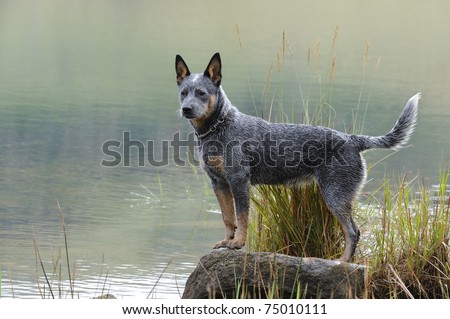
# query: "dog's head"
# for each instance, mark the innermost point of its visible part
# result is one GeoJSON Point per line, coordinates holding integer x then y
{"type": "Point", "coordinates": [198, 92]}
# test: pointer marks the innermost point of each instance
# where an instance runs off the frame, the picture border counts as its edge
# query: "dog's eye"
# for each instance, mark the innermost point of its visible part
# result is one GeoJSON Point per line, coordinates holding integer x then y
{"type": "Point", "coordinates": [200, 93]}
{"type": "Point", "coordinates": [184, 93]}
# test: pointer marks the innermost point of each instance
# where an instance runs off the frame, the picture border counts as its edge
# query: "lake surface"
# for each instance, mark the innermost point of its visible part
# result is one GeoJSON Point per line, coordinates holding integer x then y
{"type": "Point", "coordinates": [76, 74]}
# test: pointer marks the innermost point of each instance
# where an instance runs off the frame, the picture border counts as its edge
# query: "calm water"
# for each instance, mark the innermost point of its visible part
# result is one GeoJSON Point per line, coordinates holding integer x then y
{"type": "Point", "coordinates": [74, 74]}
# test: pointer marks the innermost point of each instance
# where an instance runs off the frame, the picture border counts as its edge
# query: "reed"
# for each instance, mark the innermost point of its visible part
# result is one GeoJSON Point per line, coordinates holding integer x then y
{"type": "Point", "coordinates": [54, 282]}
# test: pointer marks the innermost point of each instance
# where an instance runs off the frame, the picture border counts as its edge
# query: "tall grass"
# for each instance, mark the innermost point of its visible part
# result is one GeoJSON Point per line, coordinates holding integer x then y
{"type": "Point", "coordinates": [408, 246]}
{"type": "Point", "coordinates": [409, 256]}
{"type": "Point", "coordinates": [294, 220]}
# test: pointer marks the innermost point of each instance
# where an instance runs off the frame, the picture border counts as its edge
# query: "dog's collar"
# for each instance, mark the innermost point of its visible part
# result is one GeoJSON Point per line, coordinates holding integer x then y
{"type": "Point", "coordinates": [212, 129]}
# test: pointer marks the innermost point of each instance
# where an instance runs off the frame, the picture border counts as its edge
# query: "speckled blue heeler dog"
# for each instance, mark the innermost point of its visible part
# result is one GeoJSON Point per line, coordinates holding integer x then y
{"type": "Point", "coordinates": [239, 150]}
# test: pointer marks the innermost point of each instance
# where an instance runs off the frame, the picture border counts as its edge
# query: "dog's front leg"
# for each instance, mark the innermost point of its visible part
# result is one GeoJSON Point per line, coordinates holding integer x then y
{"type": "Point", "coordinates": [240, 188]}
{"type": "Point", "coordinates": [226, 202]}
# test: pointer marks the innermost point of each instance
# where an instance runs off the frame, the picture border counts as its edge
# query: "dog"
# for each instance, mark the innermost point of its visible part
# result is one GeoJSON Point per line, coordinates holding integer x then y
{"type": "Point", "coordinates": [238, 150]}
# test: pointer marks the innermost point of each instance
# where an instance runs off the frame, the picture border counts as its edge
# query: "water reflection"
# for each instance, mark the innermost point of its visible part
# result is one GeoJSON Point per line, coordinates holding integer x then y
{"type": "Point", "coordinates": [122, 281]}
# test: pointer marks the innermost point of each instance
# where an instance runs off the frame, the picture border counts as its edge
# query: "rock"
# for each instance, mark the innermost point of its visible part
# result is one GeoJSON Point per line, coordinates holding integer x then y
{"type": "Point", "coordinates": [237, 274]}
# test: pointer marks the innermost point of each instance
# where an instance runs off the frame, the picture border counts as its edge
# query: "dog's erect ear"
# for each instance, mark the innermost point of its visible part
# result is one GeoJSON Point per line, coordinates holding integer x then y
{"type": "Point", "coordinates": [214, 69]}
{"type": "Point", "coordinates": [181, 68]}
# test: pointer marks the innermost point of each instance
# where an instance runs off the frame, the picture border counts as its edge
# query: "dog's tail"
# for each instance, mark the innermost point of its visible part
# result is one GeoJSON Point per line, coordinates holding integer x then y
{"type": "Point", "coordinates": [399, 135]}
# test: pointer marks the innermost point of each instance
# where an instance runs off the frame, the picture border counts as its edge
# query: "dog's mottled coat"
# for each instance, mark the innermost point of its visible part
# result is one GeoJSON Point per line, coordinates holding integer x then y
{"type": "Point", "coordinates": [240, 150]}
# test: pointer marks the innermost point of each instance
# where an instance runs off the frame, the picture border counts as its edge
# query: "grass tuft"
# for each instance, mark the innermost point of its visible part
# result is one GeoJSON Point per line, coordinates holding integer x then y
{"type": "Point", "coordinates": [284, 222]}
{"type": "Point", "coordinates": [410, 254]}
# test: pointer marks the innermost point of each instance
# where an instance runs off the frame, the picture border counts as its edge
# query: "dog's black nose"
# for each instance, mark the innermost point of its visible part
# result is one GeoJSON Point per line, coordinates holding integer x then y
{"type": "Point", "coordinates": [187, 111]}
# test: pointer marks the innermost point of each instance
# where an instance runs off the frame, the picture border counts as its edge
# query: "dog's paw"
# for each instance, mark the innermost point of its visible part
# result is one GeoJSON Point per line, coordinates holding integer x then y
{"type": "Point", "coordinates": [235, 244]}
{"type": "Point", "coordinates": [221, 244]}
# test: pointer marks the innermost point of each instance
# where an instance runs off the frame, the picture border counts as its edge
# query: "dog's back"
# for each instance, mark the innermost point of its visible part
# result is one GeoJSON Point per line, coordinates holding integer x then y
{"type": "Point", "coordinates": [283, 153]}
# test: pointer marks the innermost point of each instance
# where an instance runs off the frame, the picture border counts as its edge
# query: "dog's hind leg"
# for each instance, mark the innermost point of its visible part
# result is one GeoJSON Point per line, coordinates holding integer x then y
{"type": "Point", "coordinates": [226, 202]}
{"type": "Point", "coordinates": [351, 233]}
{"type": "Point", "coordinates": [340, 204]}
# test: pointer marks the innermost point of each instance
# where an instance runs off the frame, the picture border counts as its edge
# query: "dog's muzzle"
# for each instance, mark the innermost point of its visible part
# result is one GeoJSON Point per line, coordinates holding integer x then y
{"type": "Point", "coordinates": [187, 112]}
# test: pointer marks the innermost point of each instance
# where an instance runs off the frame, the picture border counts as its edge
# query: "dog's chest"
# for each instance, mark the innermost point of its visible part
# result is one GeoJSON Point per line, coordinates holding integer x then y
{"type": "Point", "coordinates": [215, 165]}
{"type": "Point", "coordinates": [213, 160]}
